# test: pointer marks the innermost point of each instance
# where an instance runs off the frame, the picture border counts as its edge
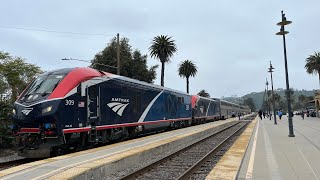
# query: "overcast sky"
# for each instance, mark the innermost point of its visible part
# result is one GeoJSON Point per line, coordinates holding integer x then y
{"type": "Point", "coordinates": [231, 42]}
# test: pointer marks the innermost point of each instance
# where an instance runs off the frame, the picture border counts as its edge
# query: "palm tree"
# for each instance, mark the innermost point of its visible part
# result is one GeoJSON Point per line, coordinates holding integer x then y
{"type": "Point", "coordinates": [203, 93]}
{"type": "Point", "coordinates": [186, 69]}
{"type": "Point", "coordinates": [162, 48]}
{"type": "Point", "coordinates": [313, 64]}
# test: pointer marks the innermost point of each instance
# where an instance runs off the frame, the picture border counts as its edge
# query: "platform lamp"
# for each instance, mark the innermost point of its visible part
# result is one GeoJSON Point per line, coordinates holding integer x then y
{"type": "Point", "coordinates": [269, 112]}
{"type": "Point", "coordinates": [270, 70]}
{"type": "Point", "coordinates": [282, 32]}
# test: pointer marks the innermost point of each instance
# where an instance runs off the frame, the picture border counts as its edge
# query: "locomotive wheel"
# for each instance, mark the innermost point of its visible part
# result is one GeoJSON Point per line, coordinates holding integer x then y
{"type": "Point", "coordinates": [132, 132]}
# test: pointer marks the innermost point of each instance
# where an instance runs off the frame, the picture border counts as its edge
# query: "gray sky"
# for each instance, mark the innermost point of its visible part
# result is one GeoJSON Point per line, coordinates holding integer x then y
{"type": "Point", "coordinates": [231, 42]}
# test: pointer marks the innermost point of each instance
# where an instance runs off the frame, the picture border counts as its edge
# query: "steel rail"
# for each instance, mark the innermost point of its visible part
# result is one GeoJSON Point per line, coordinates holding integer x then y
{"type": "Point", "coordinates": [188, 173]}
{"type": "Point", "coordinates": [147, 168]}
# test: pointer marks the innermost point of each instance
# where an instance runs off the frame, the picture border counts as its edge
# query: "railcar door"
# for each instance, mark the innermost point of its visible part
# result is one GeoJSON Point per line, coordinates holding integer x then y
{"type": "Point", "coordinates": [93, 105]}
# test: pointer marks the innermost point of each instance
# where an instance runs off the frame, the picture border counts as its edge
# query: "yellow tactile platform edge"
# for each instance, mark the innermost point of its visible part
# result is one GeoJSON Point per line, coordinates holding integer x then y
{"type": "Point", "coordinates": [229, 164]}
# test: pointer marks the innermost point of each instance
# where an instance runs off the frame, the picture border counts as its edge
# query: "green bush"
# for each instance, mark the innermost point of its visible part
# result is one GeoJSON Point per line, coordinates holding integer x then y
{"type": "Point", "coordinates": [6, 138]}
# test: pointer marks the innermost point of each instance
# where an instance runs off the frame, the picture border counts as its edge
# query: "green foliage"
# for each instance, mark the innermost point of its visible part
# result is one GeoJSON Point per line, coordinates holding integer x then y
{"type": "Point", "coordinates": [204, 93]}
{"type": "Point", "coordinates": [186, 69]}
{"type": "Point", "coordinates": [5, 137]}
{"type": "Point", "coordinates": [5, 111]}
{"type": "Point", "coordinates": [133, 64]}
{"type": "Point", "coordinates": [258, 97]}
{"type": "Point", "coordinates": [313, 64]}
{"type": "Point", "coordinates": [15, 74]}
{"type": "Point", "coordinates": [249, 102]}
{"type": "Point", "coordinates": [162, 48]}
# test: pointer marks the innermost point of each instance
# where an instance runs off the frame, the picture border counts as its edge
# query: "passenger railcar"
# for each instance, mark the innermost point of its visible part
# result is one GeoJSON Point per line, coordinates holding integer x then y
{"type": "Point", "coordinates": [205, 109]}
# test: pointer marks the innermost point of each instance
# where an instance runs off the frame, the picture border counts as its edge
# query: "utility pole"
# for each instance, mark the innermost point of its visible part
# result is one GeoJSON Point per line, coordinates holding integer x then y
{"type": "Point", "coordinates": [118, 55]}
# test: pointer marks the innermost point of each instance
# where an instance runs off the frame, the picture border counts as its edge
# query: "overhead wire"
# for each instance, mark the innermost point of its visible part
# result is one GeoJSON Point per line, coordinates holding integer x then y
{"type": "Point", "coordinates": [54, 31]}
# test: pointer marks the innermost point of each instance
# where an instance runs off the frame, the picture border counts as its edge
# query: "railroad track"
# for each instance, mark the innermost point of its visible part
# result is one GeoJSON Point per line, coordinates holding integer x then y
{"type": "Point", "coordinates": [17, 162]}
{"type": "Point", "coordinates": [194, 161]}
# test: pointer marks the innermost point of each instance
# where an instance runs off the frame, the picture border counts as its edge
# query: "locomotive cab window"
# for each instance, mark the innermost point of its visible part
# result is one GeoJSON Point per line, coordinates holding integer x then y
{"type": "Point", "coordinates": [41, 87]}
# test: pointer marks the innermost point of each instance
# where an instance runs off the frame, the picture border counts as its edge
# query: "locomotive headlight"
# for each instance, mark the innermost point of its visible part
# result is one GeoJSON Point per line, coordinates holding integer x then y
{"type": "Point", "coordinates": [13, 111]}
{"type": "Point", "coordinates": [47, 109]}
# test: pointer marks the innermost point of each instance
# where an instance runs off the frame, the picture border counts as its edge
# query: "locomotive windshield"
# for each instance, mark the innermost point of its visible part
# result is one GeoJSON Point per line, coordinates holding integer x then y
{"type": "Point", "coordinates": [42, 86]}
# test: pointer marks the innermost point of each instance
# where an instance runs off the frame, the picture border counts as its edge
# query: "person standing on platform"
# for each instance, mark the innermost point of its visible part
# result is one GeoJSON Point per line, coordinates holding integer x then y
{"type": "Point", "coordinates": [280, 114]}
{"type": "Point", "coordinates": [239, 115]}
{"type": "Point", "coordinates": [302, 114]}
{"type": "Point", "coordinates": [264, 115]}
{"type": "Point", "coordinates": [260, 114]}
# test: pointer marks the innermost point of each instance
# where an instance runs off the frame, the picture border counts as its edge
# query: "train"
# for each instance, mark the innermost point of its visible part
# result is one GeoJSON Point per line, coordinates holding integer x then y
{"type": "Point", "coordinates": [73, 108]}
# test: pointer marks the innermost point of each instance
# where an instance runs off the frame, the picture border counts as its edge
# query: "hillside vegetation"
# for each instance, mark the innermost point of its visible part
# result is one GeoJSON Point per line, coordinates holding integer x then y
{"type": "Point", "coordinates": [258, 96]}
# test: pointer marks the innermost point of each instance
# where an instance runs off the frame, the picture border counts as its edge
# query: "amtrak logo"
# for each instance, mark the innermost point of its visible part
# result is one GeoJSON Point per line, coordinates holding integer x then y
{"type": "Point", "coordinates": [120, 100]}
{"type": "Point", "coordinates": [118, 107]}
{"type": "Point", "coordinates": [26, 111]}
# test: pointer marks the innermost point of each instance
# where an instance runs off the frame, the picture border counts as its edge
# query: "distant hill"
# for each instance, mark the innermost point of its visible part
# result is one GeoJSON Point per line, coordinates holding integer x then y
{"type": "Point", "coordinates": [258, 96]}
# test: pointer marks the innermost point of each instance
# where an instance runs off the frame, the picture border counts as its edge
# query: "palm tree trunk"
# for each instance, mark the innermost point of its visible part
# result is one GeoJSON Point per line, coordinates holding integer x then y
{"type": "Point", "coordinates": [187, 85]}
{"type": "Point", "coordinates": [162, 73]}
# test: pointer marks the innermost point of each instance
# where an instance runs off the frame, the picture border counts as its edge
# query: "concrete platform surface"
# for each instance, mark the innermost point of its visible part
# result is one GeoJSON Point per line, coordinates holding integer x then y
{"type": "Point", "coordinates": [90, 159]}
{"type": "Point", "coordinates": [271, 154]}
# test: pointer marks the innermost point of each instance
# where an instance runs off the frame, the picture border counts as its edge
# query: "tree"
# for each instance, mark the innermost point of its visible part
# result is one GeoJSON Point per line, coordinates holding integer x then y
{"type": "Point", "coordinates": [204, 93]}
{"type": "Point", "coordinates": [249, 102]}
{"type": "Point", "coordinates": [15, 75]}
{"type": "Point", "coordinates": [313, 64]}
{"type": "Point", "coordinates": [133, 64]}
{"type": "Point", "coordinates": [310, 98]}
{"type": "Point", "coordinates": [162, 48]}
{"type": "Point", "coordinates": [303, 100]}
{"type": "Point", "coordinates": [186, 69]}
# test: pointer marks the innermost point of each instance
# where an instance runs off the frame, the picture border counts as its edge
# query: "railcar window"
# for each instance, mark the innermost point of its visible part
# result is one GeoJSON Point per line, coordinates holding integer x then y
{"type": "Point", "coordinates": [92, 92]}
{"type": "Point", "coordinates": [181, 100]}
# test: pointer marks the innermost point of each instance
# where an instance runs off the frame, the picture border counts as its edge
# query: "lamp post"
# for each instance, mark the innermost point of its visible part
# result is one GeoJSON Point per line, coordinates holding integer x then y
{"type": "Point", "coordinates": [71, 59]}
{"type": "Point", "coordinates": [274, 107]}
{"type": "Point", "coordinates": [282, 32]}
{"type": "Point", "coordinates": [267, 84]}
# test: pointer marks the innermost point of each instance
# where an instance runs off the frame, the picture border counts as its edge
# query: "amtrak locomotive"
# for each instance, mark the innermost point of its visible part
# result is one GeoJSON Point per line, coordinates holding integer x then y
{"type": "Point", "coordinates": [75, 107]}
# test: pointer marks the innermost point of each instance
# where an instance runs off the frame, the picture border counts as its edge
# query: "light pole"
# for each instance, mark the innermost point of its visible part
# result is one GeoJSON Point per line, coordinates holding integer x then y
{"type": "Point", "coordinates": [267, 83]}
{"type": "Point", "coordinates": [274, 107]}
{"type": "Point", "coordinates": [282, 32]}
{"type": "Point", "coordinates": [71, 59]}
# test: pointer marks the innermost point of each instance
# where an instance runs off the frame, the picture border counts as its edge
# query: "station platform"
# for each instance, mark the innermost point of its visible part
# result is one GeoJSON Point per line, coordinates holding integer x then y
{"type": "Point", "coordinates": [271, 154]}
{"type": "Point", "coordinates": [99, 162]}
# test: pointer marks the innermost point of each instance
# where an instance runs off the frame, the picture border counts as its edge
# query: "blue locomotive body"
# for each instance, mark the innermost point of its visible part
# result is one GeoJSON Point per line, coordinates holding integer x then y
{"type": "Point", "coordinates": [74, 107]}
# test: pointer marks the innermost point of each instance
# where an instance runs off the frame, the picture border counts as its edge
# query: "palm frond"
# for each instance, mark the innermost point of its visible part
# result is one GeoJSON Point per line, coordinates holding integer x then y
{"type": "Point", "coordinates": [187, 68]}
{"type": "Point", "coordinates": [162, 48]}
{"type": "Point", "coordinates": [312, 65]}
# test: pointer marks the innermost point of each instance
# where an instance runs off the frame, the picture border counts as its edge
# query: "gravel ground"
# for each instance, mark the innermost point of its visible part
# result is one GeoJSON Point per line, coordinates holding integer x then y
{"type": "Point", "coordinates": [8, 154]}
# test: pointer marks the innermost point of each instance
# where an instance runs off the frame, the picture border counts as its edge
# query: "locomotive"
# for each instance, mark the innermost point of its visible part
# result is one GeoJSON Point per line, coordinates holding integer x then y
{"type": "Point", "coordinates": [73, 108]}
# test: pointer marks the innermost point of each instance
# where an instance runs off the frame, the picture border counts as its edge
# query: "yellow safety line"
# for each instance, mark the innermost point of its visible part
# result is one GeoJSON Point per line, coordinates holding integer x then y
{"type": "Point", "coordinates": [229, 164]}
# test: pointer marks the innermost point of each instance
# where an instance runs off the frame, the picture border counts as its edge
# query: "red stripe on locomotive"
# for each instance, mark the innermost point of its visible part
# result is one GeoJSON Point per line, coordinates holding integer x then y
{"type": "Point", "coordinates": [73, 79]}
